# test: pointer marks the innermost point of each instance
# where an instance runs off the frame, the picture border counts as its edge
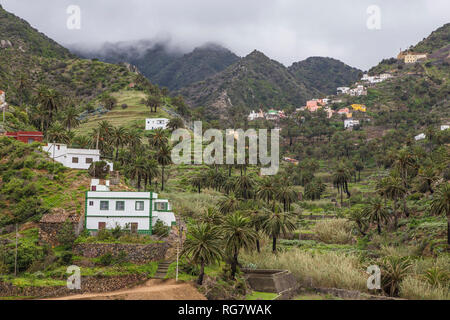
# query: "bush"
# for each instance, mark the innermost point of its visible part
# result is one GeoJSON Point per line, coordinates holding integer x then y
{"type": "Point", "coordinates": [66, 236]}
{"type": "Point", "coordinates": [160, 229]}
{"type": "Point", "coordinates": [106, 259]}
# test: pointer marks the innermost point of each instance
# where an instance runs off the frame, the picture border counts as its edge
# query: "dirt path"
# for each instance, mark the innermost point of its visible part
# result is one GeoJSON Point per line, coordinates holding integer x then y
{"type": "Point", "coordinates": [152, 290]}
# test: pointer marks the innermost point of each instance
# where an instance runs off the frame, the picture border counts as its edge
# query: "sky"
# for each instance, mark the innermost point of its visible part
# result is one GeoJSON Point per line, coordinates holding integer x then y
{"type": "Point", "coordinates": [358, 32]}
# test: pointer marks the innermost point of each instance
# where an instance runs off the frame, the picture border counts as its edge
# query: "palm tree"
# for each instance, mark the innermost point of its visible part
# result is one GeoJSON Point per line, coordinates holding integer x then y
{"type": "Point", "coordinates": [376, 212]}
{"type": "Point", "coordinates": [82, 142]}
{"type": "Point", "coordinates": [244, 186]}
{"type": "Point", "coordinates": [175, 123]}
{"type": "Point", "coordinates": [202, 247]}
{"type": "Point", "coordinates": [137, 170]}
{"type": "Point", "coordinates": [163, 156]}
{"type": "Point", "coordinates": [158, 138]}
{"type": "Point", "coordinates": [286, 195]}
{"type": "Point", "coordinates": [314, 189]}
{"type": "Point", "coordinates": [134, 139]}
{"type": "Point", "coordinates": [428, 176]}
{"type": "Point", "coordinates": [394, 270]}
{"type": "Point", "coordinates": [229, 204]}
{"type": "Point", "coordinates": [266, 190]}
{"type": "Point", "coordinates": [151, 171]}
{"type": "Point", "coordinates": [405, 161]}
{"type": "Point", "coordinates": [229, 185]}
{"type": "Point", "coordinates": [278, 223]}
{"type": "Point", "coordinates": [49, 99]}
{"type": "Point", "coordinates": [257, 218]}
{"type": "Point", "coordinates": [238, 234]}
{"type": "Point", "coordinates": [198, 182]}
{"type": "Point", "coordinates": [341, 177]}
{"type": "Point", "coordinates": [119, 138]}
{"type": "Point", "coordinates": [394, 190]}
{"type": "Point", "coordinates": [57, 133]}
{"type": "Point", "coordinates": [358, 216]}
{"type": "Point", "coordinates": [70, 118]}
{"type": "Point", "coordinates": [441, 204]}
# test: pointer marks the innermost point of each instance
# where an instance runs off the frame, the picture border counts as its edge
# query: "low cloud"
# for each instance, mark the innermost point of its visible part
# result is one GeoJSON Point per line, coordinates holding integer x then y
{"type": "Point", "coordinates": [286, 30]}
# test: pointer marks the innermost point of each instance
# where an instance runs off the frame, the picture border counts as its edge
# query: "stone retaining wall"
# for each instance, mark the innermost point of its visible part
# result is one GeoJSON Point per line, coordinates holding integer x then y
{"type": "Point", "coordinates": [88, 285]}
{"type": "Point", "coordinates": [136, 253]}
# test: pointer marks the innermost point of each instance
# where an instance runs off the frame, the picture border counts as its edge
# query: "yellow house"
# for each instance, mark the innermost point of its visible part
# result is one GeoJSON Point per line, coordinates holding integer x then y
{"type": "Point", "coordinates": [359, 107]}
{"type": "Point", "coordinates": [413, 58]}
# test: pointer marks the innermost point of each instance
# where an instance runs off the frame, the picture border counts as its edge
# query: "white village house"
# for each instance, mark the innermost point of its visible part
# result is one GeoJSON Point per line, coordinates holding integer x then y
{"type": "Point", "coordinates": [74, 158]}
{"type": "Point", "coordinates": [420, 137]}
{"type": "Point", "coordinates": [138, 211]}
{"type": "Point", "coordinates": [350, 123]}
{"type": "Point", "coordinates": [156, 123]}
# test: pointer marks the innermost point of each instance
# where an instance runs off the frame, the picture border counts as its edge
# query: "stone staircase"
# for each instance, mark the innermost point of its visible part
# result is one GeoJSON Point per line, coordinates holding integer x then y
{"type": "Point", "coordinates": [163, 267]}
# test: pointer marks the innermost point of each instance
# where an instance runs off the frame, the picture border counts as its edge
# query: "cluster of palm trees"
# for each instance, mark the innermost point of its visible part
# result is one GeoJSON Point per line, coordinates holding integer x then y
{"type": "Point", "coordinates": [249, 210]}
{"type": "Point", "coordinates": [410, 172]}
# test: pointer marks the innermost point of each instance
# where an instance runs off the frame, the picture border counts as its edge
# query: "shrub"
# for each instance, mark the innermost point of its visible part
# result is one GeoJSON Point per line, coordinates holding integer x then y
{"type": "Point", "coordinates": [160, 229]}
{"type": "Point", "coordinates": [106, 259]}
{"type": "Point", "coordinates": [66, 236]}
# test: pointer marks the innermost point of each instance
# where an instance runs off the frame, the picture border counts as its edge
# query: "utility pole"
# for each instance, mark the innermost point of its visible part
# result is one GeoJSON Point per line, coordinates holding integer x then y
{"type": "Point", "coordinates": [15, 256]}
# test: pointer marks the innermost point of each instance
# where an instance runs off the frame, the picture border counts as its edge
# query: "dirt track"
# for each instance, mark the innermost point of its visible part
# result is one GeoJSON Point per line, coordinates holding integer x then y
{"type": "Point", "coordinates": [152, 290]}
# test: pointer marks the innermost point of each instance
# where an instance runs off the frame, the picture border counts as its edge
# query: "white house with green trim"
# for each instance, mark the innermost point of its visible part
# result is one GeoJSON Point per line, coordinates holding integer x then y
{"type": "Point", "coordinates": [138, 211]}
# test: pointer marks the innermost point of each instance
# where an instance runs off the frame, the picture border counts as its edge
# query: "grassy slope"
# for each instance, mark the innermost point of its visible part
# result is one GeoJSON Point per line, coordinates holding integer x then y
{"type": "Point", "coordinates": [133, 116]}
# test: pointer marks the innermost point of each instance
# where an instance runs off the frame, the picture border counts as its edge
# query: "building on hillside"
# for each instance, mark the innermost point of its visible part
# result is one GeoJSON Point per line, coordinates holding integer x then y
{"type": "Point", "coordinates": [156, 123]}
{"type": "Point", "coordinates": [358, 91]}
{"type": "Point", "coordinates": [414, 57]}
{"type": "Point", "coordinates": [445, 127]}
{"type": "Point", "coordinates": [26, 136]}
{"type": "Point", "coordinates": [330, 112]}
{"type": "Point", "coordinates": [272, 115]}
{"type": "Point", "coordinates": [312, 105]}
{"type": "Point", "coordinates": [256, 115]}
{"type": "Point", "coordinates": [419, 137]}
{"type": "Point", "coordinates": [74, 158]}
{"type": "Point", "coordinates": [99, 185]}
{"type": "Point", "coordinates": [359, 107]}
{"type": "Point", "coordinates": [2, 97]}
{"type": "Point", "coordinates": [291, 160]}
{"type": "Point", "coordinates": [350, 123]}
{"type": "Point", "coordinates": [343, 90]}
{"type": "Point", "coordinates": [138, 211]}
{"type": "Point", "coordinates": [343, 111]}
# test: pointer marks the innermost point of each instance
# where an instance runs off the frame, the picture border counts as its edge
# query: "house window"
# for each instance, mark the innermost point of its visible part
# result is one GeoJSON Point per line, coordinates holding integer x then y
{"type": "Point", "coordinates": [160, 206]}
{"type": "Point", "coordinates": [30, 141]}
{"type": "Point", "coordinates": [58, 147]}
{"type": "Point", "coordinates": [104, 205]}
{"type": "Point", "coordinates": [94, 188]}
{"type": "Point", "coordinates": [139, 206]}
{"type": "Point", "coordinates": [91, 203]}
{"type": "Point", "coordinates": [88, 160]}
{"type": "Point", "coordinates": [74, 160]}
{"type": "Point", "coordinates": [120, 205]}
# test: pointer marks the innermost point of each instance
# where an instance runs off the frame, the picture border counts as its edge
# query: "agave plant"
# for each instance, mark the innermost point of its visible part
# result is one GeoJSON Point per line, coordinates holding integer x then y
{"type": "Point", "coordinates": [393, 271]}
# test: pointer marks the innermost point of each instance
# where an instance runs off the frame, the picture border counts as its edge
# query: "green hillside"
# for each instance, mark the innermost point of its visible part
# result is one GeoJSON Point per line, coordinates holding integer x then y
{"type": "Point", "coordinates": [252, 83]}
{"type": "Point", "coordinates": [324, 74]}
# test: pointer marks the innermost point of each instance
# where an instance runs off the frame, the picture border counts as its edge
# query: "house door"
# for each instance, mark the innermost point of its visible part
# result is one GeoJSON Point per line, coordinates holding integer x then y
{"type": "Point", "coordinates": [134, 228]}
{"type": "Point", "coordinates": [101, 225]}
